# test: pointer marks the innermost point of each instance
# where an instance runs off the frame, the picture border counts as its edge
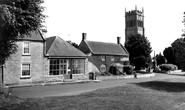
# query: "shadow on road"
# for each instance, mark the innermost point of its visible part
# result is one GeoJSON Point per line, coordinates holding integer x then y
{"type": "Point", "coordinates": [163, 86]}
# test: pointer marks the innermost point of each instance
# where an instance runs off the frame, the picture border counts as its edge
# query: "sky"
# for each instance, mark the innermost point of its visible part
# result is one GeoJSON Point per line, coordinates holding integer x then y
{"type": "Point", "coordinates": [104, 20]}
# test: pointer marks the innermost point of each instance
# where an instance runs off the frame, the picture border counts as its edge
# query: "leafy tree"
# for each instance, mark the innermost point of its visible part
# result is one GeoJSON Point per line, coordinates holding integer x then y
{"type": "Point", "coordinates": [73, 44]}
{"type": "Point", "coordinates": [160, 59]}
{"type": "Point", "coordinates": [169, 55]}
{"type": "Point", "coordinates": [179, 51]}
{"type": "Point", "coordinates": [175, 54]}
{"type": "Point", "coordinates": [139, 50]}
{"type": "Point", "coordinates": [17, 18]}
{"type": "Point", "coordinates": [184, 25]}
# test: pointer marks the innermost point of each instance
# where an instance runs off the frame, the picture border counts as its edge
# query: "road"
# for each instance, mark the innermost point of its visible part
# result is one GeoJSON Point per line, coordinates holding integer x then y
{"type": "Point", "coordinates": [72, 89]}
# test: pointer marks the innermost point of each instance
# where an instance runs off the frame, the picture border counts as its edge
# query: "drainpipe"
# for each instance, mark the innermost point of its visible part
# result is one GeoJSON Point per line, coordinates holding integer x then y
{"type": "Point", "coordinates": [2, 79]}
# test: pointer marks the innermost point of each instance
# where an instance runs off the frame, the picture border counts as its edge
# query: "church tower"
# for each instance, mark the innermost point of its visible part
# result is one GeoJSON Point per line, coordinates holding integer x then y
{"type": "Point", "coordinates": [134, 23]}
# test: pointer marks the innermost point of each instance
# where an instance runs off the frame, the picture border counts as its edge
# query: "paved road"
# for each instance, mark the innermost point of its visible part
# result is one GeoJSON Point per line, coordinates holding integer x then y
{"type": "Point", "coordinates": [71, 89]}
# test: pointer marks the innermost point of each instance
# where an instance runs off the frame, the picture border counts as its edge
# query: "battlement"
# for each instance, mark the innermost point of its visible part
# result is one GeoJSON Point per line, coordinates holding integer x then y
{"type": "Point", "coordinates": [134, 12]}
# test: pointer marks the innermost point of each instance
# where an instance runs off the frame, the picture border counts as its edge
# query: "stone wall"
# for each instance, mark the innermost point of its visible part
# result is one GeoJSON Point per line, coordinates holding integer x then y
{"type": "Point", "coordinates": [80, 76]}
{"type": "Point", "coordinates": [51, 78]}
{"type": "Point", "coordinates": [12, 73]}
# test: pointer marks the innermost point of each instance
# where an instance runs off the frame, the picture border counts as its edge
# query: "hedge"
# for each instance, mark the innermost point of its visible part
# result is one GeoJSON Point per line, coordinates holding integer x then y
{"type": "Point", "coordinates": [168, 67]}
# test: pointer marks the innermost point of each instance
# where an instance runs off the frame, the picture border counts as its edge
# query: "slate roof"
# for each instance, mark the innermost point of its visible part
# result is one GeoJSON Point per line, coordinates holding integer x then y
{"type": "Point", "coordinates": [34, 36]}
{"type": "Point", "coordinates": [57, 47]}
{"type": "Point", "coordinates": [106, 48]}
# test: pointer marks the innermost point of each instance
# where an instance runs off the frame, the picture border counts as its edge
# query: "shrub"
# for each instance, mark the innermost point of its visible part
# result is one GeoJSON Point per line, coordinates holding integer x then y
{"type": "Point", "coordinates": [128, 69]}
{"type": "Point", "coordinates": [116, 69]}
{"type": "Point", "coordinates": [168, 67]}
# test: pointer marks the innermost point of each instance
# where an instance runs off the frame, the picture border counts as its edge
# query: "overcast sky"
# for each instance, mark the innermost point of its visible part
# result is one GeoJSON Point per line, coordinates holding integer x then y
{"type": "Point", "coordinates": [104, 20]}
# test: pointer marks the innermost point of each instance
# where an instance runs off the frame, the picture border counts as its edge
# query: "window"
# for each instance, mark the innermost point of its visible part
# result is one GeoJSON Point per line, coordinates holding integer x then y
{"type": "Point", "coordinates": [103, 68]}
{"type": "Point", "coordinates": [112, 58]}
{"type": "Point", "coordinates": [66, 66]}
{"type": "Point", "coordinates": [78, 66]}
{"type": "Point", "coordinates": [25, 70]}
{"type": "Point", "coordinates": [124, 58]}
{"type": "Point", "coordinates": [121, 58]}
{"type": "Point", "coordinates": [26, 48]}
{"type": "Point", "coordinates": [54, 67]}
{"type": "Point", "coordinates": [103, 58]}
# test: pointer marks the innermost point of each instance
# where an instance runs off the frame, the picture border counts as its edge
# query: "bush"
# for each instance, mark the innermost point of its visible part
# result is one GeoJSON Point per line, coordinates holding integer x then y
{"type": "Point", "coordinates": [168, 67]}
{"type": "Point", "coordinates": [128, 69]}
{"type": "Point", "coordinates": [116, 69]}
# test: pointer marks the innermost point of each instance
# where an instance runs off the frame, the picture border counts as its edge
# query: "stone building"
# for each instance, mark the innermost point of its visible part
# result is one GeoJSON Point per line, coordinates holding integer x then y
{"type": "Point", "coordinates": [44, 60]}
{"type": "Point", "coordinates": [134, 23]}
{"type": "Point", "coordinates": [103, 54]}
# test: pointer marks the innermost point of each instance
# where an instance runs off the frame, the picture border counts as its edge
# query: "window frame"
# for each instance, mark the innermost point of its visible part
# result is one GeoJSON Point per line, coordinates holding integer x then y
{"type": "Point", "coordinates": [124, 58]}
{"type": "Point", "coordinates": [66, 66]}
{"type": "Point", "coordinates": [25, 76]}
{"type": "Point", "coordinates": [103, 68]}
{"type": "Point", "coordinates": [80, 64]}
{"type": "Point", "coordinates": [121, 58]}
{"type": "Point", "coordinates": [23, 52]}
{"type": "Point", "coordinates": [112, 58]}
{"type": "Point", "coordinates": [103, 58]}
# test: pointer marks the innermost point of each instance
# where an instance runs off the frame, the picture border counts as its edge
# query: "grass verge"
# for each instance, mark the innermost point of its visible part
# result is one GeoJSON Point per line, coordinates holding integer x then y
{"type": "Point", "coordinates": [140, 96]}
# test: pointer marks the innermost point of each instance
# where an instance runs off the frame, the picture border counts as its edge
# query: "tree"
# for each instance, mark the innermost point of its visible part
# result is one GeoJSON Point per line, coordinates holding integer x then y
{"type": "Point", "coordinates": [179, 50]}
{"type": "Point", "coordinates": [184, 25]}
{"type": "Point", "coordinates": [160, 59]}
{"type": "Point", "coordinates": [176, 52]}
{"type": "Point", "coordinates": [139, 51]}
{"type": "Point", "coordinates": [17, 18]}
{"type": "Point", "coordinates": [169, 55]}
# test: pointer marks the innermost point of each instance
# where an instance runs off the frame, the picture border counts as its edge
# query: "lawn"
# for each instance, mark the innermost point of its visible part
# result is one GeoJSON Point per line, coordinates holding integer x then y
{"type": "Point", "coordinates": [154, 95]}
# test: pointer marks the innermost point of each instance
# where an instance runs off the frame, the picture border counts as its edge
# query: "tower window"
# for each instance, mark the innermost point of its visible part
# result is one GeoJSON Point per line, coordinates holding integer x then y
{"type": "Point", "coordinates": [131, 23]}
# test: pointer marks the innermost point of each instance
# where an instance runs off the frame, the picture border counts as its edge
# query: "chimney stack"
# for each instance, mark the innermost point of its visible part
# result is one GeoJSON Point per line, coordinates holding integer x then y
{"type": "Point", "coordinates": [84, 36]}
{"type": "Point", "coordinates": [118, 40]}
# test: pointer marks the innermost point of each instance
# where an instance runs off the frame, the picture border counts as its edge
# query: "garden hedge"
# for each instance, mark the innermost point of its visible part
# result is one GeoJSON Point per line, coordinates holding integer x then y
{"type": "Point", "coordinates": [168, 67]}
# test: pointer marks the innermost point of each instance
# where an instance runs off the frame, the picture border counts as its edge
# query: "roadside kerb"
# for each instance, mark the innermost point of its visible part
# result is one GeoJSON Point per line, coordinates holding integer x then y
{"type": "Point", "coordinates": [53, 83]}
{"type": "Point", "coordinates": [98, 80]}
{"type": "Point", "coordinates": [125, 76]}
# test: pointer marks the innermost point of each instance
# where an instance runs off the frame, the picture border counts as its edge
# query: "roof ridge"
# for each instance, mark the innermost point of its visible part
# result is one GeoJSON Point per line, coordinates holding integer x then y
{"type": "Point", "coordinates": [106, 48]}
{"type": "Point", "coordinates": [103, 42]}
{"type": "Point", "coordinates": [124, 49]}
{"type": "Point", "coordinates": [41, 34]}
{"type": "Point", "coordinates": [88, 46]}
{"type": "Point", "coordinates": [52, 43]}
{"type": "Point", "coordinates": [61, 48]}
{"type": "Point", "coordinates": [66, 43]}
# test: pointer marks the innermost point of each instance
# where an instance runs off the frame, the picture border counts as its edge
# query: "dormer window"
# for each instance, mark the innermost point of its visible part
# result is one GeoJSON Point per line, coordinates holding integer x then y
{"type": "Point", "coordinates": [26, 48]}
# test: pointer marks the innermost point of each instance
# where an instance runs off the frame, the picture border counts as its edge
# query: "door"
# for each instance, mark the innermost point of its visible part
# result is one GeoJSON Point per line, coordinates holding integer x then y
{"type": "Point", "coordinates": [67, 69]}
